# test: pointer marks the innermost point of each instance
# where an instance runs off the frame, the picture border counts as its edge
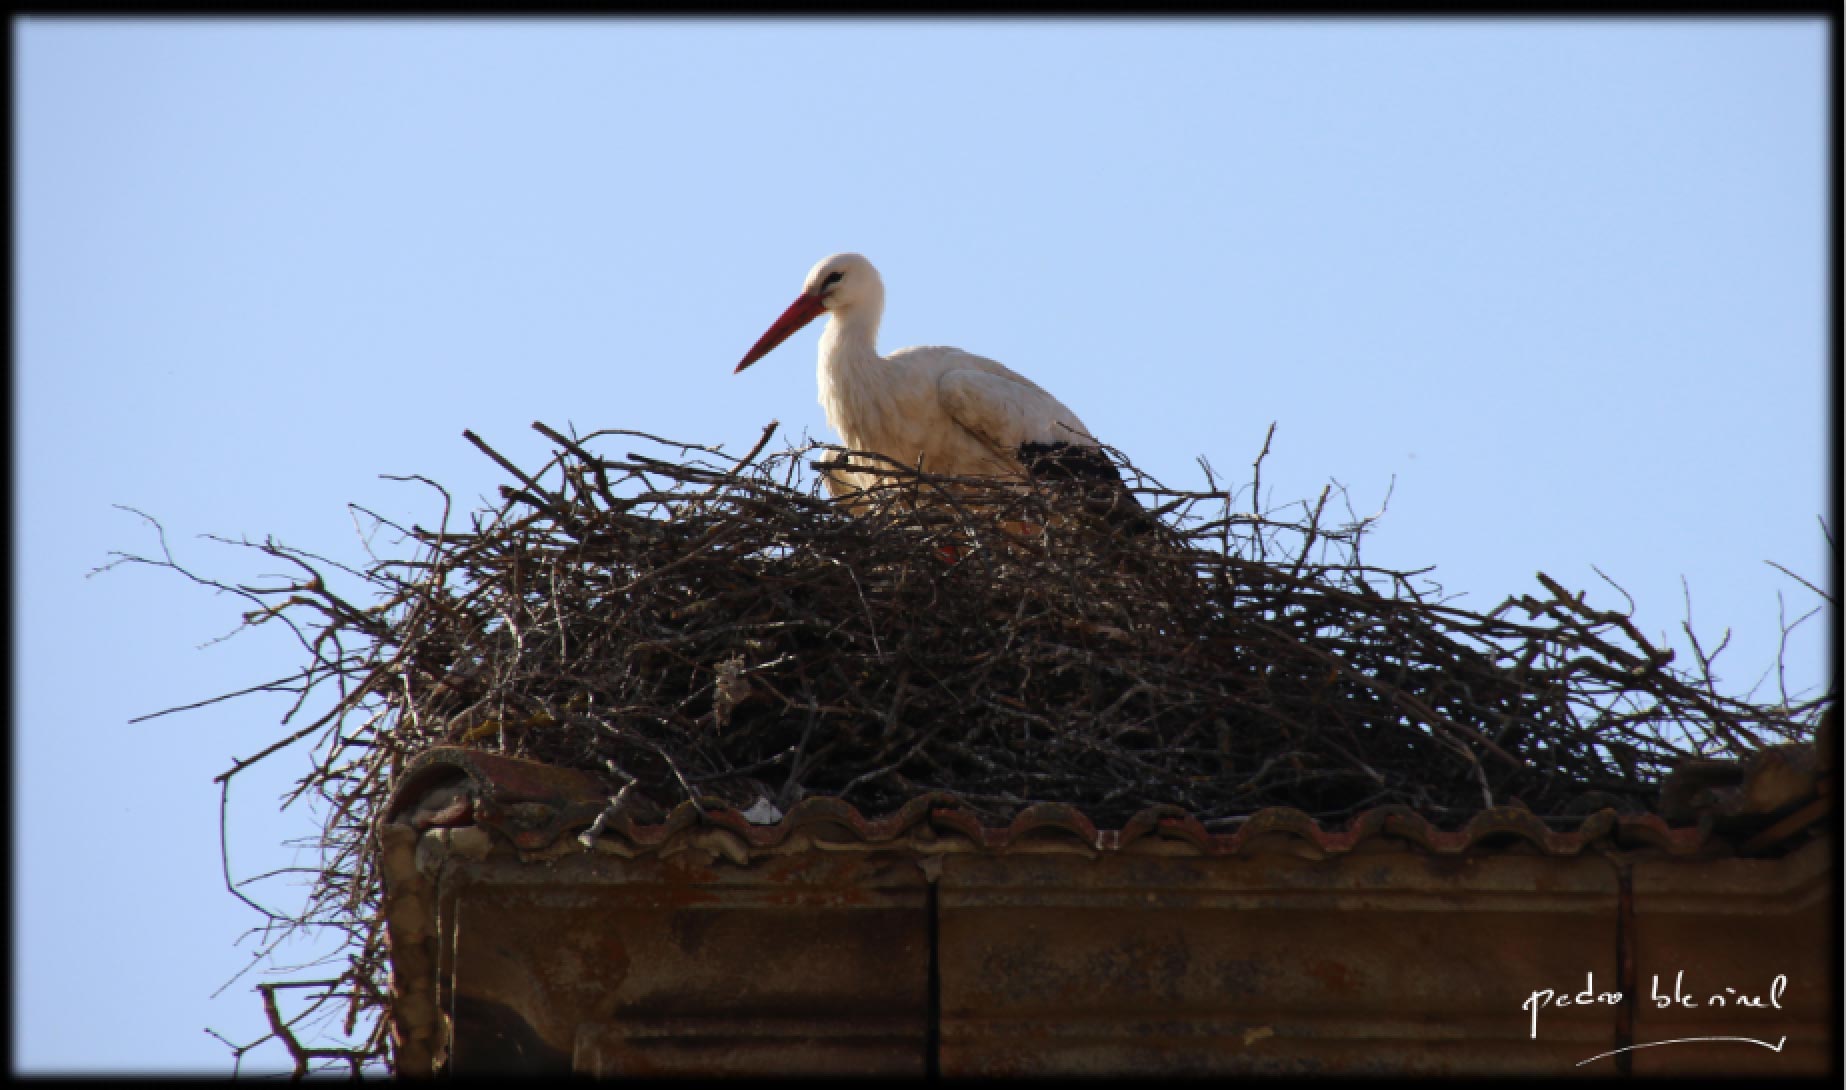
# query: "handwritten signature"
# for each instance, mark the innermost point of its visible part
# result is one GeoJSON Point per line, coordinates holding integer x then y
{"type": "Point", "coordinates": [1680, 997]}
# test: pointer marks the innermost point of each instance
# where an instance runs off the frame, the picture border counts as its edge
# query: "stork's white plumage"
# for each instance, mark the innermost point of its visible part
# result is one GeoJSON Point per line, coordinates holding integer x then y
{"type": "Point", "coordinates": [948, 411]}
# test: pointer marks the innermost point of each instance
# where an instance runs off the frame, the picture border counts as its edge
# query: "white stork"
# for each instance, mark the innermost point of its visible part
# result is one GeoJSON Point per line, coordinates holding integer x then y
{"type": "Point", "coordinates": [943, 410]}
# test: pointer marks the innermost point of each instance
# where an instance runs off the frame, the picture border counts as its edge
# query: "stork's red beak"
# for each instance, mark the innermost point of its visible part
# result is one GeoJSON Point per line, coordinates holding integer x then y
{"type": "Point", "coordinates": [799, 313]}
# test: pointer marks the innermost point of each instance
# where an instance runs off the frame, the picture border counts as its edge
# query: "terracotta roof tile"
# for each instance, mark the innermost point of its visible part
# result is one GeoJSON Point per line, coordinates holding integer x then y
{"type": "Point", "coordinates": [536, 805]}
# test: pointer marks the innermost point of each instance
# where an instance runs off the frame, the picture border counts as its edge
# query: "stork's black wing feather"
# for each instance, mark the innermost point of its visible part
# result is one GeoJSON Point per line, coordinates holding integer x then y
{"type": "Point", "coordinates": [1106, 493]}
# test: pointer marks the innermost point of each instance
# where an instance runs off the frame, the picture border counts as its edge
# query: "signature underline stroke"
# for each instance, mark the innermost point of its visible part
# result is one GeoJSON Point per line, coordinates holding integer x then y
{"type": "Point", "coordinates": [1777, 1047]}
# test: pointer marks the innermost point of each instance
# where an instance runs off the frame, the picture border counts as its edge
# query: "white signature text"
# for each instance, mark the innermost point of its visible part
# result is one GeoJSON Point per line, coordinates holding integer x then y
{"type": "Point", "coordinates": [1680, 997]}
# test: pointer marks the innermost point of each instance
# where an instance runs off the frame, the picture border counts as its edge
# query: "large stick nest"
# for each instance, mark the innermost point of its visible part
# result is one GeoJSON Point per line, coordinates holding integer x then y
{"type": "Point", "coordinates": [694, 626]}
{"type": "Point", "coordinates": [691, 625]}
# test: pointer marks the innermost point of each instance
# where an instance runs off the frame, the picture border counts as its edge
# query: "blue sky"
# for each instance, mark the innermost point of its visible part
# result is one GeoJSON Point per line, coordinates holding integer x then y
{"type": "Point", "coordinates": [1562, 282]}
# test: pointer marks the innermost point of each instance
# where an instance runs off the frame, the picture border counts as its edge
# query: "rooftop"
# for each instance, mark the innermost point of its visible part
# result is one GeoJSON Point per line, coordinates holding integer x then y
{"type": "Point", "coordinates": [535, 927]}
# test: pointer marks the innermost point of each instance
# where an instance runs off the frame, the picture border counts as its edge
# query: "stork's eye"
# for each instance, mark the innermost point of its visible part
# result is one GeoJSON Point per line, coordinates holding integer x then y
{"type": "Point", "coordinates": [832, 279]}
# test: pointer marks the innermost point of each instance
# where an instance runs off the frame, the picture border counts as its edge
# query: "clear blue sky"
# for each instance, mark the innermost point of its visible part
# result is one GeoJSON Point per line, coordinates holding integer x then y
{"type": "Point", "coordinates": [1565, 281]}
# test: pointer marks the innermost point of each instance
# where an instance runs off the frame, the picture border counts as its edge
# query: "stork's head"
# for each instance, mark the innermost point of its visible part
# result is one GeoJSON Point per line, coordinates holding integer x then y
{"type": "Point", "coordinates": [843, 284]}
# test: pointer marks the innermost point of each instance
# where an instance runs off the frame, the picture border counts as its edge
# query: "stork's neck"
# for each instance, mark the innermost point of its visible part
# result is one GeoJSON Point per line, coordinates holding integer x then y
{"type": "Point", "coordinates": [851, 375]}
{"type": "Point", "coordinates": [851, 337]}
